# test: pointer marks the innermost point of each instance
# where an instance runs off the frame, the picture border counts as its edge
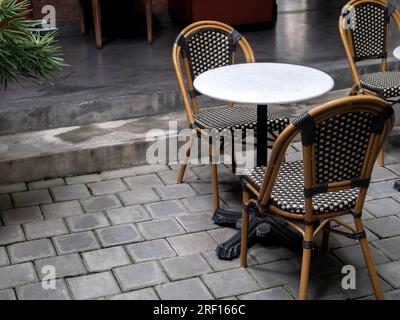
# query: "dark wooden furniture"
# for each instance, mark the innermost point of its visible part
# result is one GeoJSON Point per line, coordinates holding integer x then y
{"type": "Point", "coordinates": [96, 8]}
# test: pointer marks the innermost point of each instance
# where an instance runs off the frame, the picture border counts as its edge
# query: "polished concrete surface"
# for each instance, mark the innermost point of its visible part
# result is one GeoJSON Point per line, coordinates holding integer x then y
{"type": "Point", "coordinates": [306, 33]}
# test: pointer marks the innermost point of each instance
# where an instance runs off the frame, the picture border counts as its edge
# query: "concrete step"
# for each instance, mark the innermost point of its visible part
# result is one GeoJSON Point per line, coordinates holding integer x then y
{"type": "Point", "coordinates": [91, 148]}
{"type": "Point", "coordinates": [66, 106]}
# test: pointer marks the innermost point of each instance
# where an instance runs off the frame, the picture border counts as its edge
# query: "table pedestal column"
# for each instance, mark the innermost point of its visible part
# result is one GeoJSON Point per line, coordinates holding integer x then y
{"type": "Point", "coordinates": [262, 135]}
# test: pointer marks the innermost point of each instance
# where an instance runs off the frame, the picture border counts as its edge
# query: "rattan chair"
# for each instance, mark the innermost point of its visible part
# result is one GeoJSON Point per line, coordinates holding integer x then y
{"type": "Point", "coordinates": [200, 47]}
{"type": "Point", "coordinates": [364, 29]}
{"type": "Point", "coordinates": [341, 141]}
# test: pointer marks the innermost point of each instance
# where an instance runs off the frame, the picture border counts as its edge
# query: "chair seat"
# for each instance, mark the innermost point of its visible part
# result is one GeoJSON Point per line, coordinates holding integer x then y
{"type": "Point", "coordinates": [288, 191]}
{"type": "Point", "coordinates": [236, 117]}
{"type": "Point", "coordinates": [385, 84]}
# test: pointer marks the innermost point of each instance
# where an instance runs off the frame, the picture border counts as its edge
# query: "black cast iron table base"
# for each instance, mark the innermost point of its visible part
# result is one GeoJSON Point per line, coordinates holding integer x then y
{"type": "Point", "coordinates": [397, 185]}
{"type": "Point", "coordinates": [260, 229]}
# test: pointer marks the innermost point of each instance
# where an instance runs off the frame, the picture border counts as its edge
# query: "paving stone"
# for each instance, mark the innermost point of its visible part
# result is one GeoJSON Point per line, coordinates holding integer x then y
{"type": "Point", "coordinates": [192, 243]}
{"type": "Point", "coordinates": [160, 229]}
{"type": "Point", "coordinates": [86, 222]}
{"type": "Point", "coordinates": [191, 289]}
{"type": "Point", "coordinates": [384, 227]}
{"type": "Point", "coordinates": [140, 182]}
{"type": "Point", "coordinates": [389, 247]}
{"type": "Point", "coordinates": [101, 203]}
{"type": "Point", "coordinates": [382, 174]}
{"type": "Point", "coordinates": [270, 294]}
{"type": "Point", "coordinates": [390, 272]}
{"type": "Point", "coordinates": [4, 261]}
{"type": "Point", "coordinates": [93, 286]}
{"type": "Point", "coordinates": [37, 292]}
{"type": "Point", "coordinates": [318, 289]}
{"type": "Point", "coordinates": [107, 187]}
{"type": "Point", "coordinates": [77, 242]}
{"type": "Point", "coordinates": [116, 235]}
{"type": "Point", "coordinates": [88, 178]}
{"type": "Point", "coordinates": [5, 202]}
{"type": "Point", "coordinates": [65, 266]}
{"type": "Point", "coordinates": [382, 189]}
{"type": "Point", "coordinates": [274, 274]}
{"type": "Point", "coordinates": [394, 168]}
{"type": "Point", "coordinates": [45, 229]}
{"type": "Point", "coordinates": [222, 234]}
{"type": "Point", "coordinates": [139, 276]}
{"type": "Point", "coordinates": [177, 191]}
{"type": "Point", "coordinates": [265, 254]}
{"type": "Point", "coordinates": [392, 295]}
{"type": "Point", "coordinates": [230, 283]}
{"type": "Point", "coordinates": [150, 250]}
{"type": "Point", "coordinates": [130, 172]}
{"type": "Point", "coordinates": [71, 192]}
{"type": "Point", "coordinates": [105, 259]}
{"type": "Point", "coordinates": [204, 187]}
{"type": "Point", "coordinates": [128, 215]}
{"type": "Point", "coordinates": [45, 184]}
{"type": "Point", "coordinates": [199, 203]}
{"type": "Point", "coordinates": [232, 199]}
{"type": "Point", "coordinates": [21, 215]}
{"type": "Point", "coordinates": [321, 264]}
{"type": "Point", "coordinates": [383, 207]}
{"type": "Point", "coordinates": [31, 198]}
{"type": "Point", "coordinates": [354, 256]}
{"type": "Point", "coordinates": [363, 285]}
{"type": "Point", "coordinates": [143, 196]}
{"type": "Point", "coordinates": [16, 275]}
{"type": "Point", "coordinates": [221, 265]}
{"type": "Point", "coordinates": [204, 172]}
{"type": "Point", "coordinates": [169, 177]}
{"type": "Point", "coordinates": [11, 188]}
{"type": "Point", "coordinates": [165, 209]}
{"type": "Point", "coordinates": [30, 250]}
{"type": "Point", "coordinates": [61, 209]}
{"type": "Point", "coordinates": [197, 222]}
{"type": "Point", "coordinates": [185, 266]}
{"type": "Point", "coordinates": [143, 294]}
{"type": "Point", "coordinates": [7, 295]}
{"type": "Point", "coordinates": [11, 234]}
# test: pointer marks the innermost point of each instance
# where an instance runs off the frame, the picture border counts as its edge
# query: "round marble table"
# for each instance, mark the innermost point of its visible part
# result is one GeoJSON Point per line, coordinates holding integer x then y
{"type": "Point", "coordinates": [263, 84]}
{"type": "Point", "coordinates": [396, 53]}
{"type": "Point", "coordinates": [260, 84]}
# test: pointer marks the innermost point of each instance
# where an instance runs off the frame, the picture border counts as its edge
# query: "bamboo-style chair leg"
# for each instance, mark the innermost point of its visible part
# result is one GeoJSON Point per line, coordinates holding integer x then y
{"type": "Point", "coordinates": [325, 239]}
{"type": "Point", "coordinates": [381, 158]}
{"type": "Point", "coordinates": [245, 227]}
{"type": "Point", "coordinates": [369, 262]}
{"type": "Point", "coordinates": [214, 176]}
{"type": "Point", "coordinates": [97, 23]}
{"type": "Point", "coordinates": [149, 20]}
{"type": "Point", "coordinates": [305, 264]}
{"type": "Point", "coordinates": [182, 167]}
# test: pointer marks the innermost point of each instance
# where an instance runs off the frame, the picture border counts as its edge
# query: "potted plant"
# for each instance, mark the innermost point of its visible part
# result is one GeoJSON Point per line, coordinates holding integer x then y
{"type": "Point", "coordinates": [25, 54]}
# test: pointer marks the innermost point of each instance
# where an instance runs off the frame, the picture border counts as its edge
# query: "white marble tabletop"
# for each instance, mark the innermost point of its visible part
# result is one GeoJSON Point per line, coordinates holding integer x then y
{"type": "Point", "coordinates": [396, 53]}
{"type": "Point", "coordinates": [263, 83]}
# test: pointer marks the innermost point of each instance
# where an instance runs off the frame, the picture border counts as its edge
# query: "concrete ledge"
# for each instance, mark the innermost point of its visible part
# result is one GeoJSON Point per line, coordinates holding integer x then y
{"type": "Point", "coordinates": [108, 104]}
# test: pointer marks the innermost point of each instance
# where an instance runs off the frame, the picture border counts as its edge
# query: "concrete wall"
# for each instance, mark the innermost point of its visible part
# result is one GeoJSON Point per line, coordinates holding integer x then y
{"type": "Point", "coordinates": [68, 10]}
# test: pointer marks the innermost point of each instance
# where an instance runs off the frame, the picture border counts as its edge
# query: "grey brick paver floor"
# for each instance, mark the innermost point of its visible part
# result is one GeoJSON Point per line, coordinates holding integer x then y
{"type": "Point", "coordinates": [133, 234]}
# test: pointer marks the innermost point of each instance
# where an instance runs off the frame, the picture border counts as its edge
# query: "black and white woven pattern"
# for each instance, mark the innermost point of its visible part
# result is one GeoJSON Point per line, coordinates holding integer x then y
{"type": "Point", "coordinates": [237, 117]}
{"type": "Point", "coordinates": [340, 146]}
{"type": "Point", "coordinates": [288, 191]}
{"type": "Point", "coordinates": [208, 49]}
{"type": "Point", "coordinates": [369, 31]}
{"type": "Point", "coordinates": [385, 84]}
